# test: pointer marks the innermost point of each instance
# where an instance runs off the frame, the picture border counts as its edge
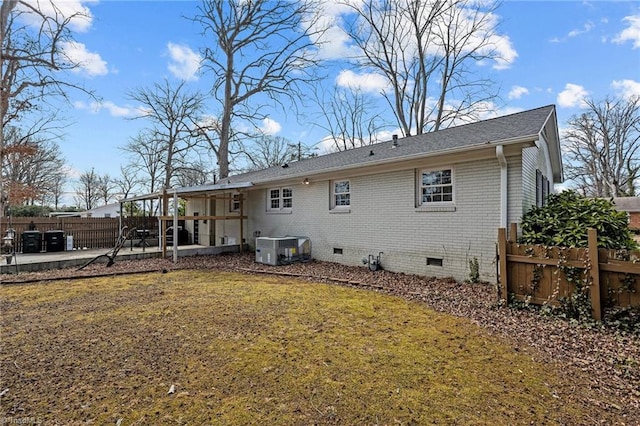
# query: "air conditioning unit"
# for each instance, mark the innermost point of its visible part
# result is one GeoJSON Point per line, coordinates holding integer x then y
{"type": "Point", "coordinates": [282, 250]}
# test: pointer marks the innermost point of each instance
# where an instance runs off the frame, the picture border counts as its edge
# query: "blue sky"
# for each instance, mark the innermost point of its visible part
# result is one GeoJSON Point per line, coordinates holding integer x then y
{"type": "Point", "coordinates": [556, 52]}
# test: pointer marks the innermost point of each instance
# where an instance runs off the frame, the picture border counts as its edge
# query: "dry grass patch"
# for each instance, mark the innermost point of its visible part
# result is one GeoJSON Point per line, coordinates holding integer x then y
{"type": "Point", "coordinates": [242, 349]}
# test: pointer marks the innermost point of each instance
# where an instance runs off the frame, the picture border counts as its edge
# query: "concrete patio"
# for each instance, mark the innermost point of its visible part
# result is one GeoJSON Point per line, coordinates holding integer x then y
{"type": "Point", "coordinates": [30, 262]}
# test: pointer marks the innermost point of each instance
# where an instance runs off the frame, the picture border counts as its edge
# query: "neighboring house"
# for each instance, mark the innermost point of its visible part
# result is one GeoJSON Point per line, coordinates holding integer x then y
{"type": "Point", "coordinates": [65, 214]}
{"type": "Point", "coordinates": [108, 210]}
{"type": "Point", "coordinates": [430, 203]}
{"type": "Point", "coordinates": [630, 205]}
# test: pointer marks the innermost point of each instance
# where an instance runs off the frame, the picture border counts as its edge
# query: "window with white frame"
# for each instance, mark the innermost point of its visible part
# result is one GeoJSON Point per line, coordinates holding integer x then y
{"type": "Point", "coordinates": [234, 203]}
{"type": "Point", "coordinates": [279, 199]}
{"type": "Point", "coordinates": [436, 186]}
{"type": "Point", "coordinates": [340, 194]}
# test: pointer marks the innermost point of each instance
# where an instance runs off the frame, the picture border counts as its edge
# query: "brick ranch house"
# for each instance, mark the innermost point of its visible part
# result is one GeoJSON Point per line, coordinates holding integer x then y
{"type": "Point", "coordinates": [631, 206]}
{"type": "Point", "coordinates": [429, 203]}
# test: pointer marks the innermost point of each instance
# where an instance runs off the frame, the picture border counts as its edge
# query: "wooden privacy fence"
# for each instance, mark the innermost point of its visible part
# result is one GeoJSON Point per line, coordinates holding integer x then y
{"type": "Point", "coordinates": [540, 274]}
{"type": "Point", "coordinates": [89, 232]}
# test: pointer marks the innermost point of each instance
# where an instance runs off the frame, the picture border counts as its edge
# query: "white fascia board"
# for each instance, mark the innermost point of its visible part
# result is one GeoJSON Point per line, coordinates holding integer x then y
{"type": "Point", "coordinates": [190, 190]}
{"type": "Point", "coordinates": [210, 188]}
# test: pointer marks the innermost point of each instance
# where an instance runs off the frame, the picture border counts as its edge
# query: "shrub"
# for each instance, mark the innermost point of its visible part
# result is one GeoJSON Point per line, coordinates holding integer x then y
{"type": "Point", "coordinates": [30, 211]}
{"type": "Point", "coordinates": [564, 221]}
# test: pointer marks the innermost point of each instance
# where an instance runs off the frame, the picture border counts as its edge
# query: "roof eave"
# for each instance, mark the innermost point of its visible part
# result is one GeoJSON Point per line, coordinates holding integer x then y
{"type": "Point", "coordinates": [556, 153]}
{"type": "Point", "coordinates": [509, 141]}
{"type": "Point", "coordinates": [187, 190]}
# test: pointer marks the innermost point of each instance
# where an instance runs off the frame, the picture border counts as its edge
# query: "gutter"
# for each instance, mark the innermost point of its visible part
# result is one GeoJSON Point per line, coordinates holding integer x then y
{"type": "Point", "coordinates": [504, 194]}
{"type": "Point", "coordinates": [541, 144]}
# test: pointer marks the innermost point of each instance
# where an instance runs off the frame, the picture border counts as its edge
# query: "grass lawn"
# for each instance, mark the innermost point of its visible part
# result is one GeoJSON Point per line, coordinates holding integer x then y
{"type": "Point", "coordinates": [243, 349]}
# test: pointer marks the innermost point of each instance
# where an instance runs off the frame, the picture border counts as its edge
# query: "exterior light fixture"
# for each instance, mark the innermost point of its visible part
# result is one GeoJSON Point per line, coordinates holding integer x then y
{"type": "Point", "coordinates": [306, 181]}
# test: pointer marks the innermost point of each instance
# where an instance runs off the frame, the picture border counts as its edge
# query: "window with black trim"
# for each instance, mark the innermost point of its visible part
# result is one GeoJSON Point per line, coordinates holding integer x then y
{"type": "Point", "coordinates": [543, 187]}
{"type": "Point", "coordinates": [279, 199]}
{"type": "Point", "coordinates": [340, 194]}
{"type": "Point", "coordinates": [435, 187]}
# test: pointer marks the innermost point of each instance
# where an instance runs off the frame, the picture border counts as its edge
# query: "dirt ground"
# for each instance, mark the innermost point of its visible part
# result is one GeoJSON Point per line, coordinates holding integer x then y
{"type": "Point", "coordinates": [600, 368]}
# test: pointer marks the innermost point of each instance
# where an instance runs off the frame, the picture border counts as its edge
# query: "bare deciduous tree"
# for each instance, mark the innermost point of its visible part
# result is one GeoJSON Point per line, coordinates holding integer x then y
{"type": "Point", "coordinates": [603, 148]}
{"type": "Point", "coordinates": [259, 51]}
{"type": "Point", "coordinates": [350, 118]}
{"type": "Point", "coordinates": [197, 173]}
{"type": "Point", "coordinates": [32, 61]}
{"type": "Point", "coordinates": [172, 112]}
{"type": "Point", "coordinates": [426, 50]}
{"type": "Point", "coordinates": [57, 189]}
{"type": "Point", "coordinates": [268, 151]}
{"type": "Point", "coordinates": [106, 189]}
{"type": "Point", "coordinates": [128, 181]}
{"type": "Point", "coordinates": [146, 159]}
{"type": "Point", "coordinates": [87, 193]}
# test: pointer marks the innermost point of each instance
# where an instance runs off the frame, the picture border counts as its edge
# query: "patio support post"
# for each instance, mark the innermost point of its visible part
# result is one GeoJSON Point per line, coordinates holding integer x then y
{"type": "Point", "coordinates": [165, 211]}
{"type": "Point", "coordinates": [241, 222]}
{"type": "Point", "coordinates": [175, 227]}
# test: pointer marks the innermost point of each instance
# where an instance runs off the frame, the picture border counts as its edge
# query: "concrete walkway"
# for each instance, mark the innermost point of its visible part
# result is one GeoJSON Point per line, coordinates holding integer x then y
{"type": "Point", "coordinates": [30, 262]}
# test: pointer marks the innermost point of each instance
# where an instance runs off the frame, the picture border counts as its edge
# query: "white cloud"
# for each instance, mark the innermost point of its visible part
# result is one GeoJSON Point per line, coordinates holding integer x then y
{"type": "Point", "coordinates": [506, 54]}
{"type": "Point", "coordinates": [483, 28]}
{"type": "Point", "coordinates": [185, 63]}
{"type": "Point", "coordinates": [332, 40]}
{"type": "Point", "coordinates": [573, 95]}
{"type": "Point", "coordinates": [487, 110]}
{"type": "Point", "coordinates": [79, 15]}
{"type": "Point", "coordinates": [88, 62]}
{"type": "Point", "coordinates": [517, 92]}
{"type": "Point", "coordinates": [326, 145]}
{"type": "Point", "coordinates": [626, 88]}
{"type": "Point", "coordinates": [585, 29]}
{"type": "Point", "coordinates": [366, 82]}
{"type": "Point", "coordinates": [270, 126]}
{"type": "Point", "coordinates": [631, 33]}
{"type": "Point", "coordinates": [113, 109]}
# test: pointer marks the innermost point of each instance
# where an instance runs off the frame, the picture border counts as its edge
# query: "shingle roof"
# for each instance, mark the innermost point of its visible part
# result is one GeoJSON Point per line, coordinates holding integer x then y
{"type": "Point", "coordinates": [627, 204]}
{"type": "Point", "coordinates": [519, 125]}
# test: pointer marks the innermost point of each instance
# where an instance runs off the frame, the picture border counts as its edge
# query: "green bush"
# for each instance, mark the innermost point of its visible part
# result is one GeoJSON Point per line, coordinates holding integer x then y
{"type": "Point", "coordinates": [29, 211]}
{"type": "Point", "coordinates": [567, 216]}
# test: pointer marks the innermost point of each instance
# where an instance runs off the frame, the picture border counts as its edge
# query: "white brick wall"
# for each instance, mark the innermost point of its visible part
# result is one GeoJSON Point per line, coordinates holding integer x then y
{"type": "Point", "coordinates": [383, 218]}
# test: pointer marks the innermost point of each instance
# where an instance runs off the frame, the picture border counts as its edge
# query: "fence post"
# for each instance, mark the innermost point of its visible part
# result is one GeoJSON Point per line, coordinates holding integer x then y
{"type": "Point", "coordinates": [502, 256]}
{"type": "Point", "coordinates": [594, 273]}
{"type": "Point", "coordinates": [513, 232]}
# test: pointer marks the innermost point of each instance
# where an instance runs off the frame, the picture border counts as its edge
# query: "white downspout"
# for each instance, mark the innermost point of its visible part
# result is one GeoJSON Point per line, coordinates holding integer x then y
{"type": "Point", "coordinates": [504, 193]}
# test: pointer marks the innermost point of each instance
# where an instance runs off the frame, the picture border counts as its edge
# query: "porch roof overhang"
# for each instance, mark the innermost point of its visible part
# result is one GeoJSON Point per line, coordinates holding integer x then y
{"type": "Point", "coordinates": [191, 191]}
